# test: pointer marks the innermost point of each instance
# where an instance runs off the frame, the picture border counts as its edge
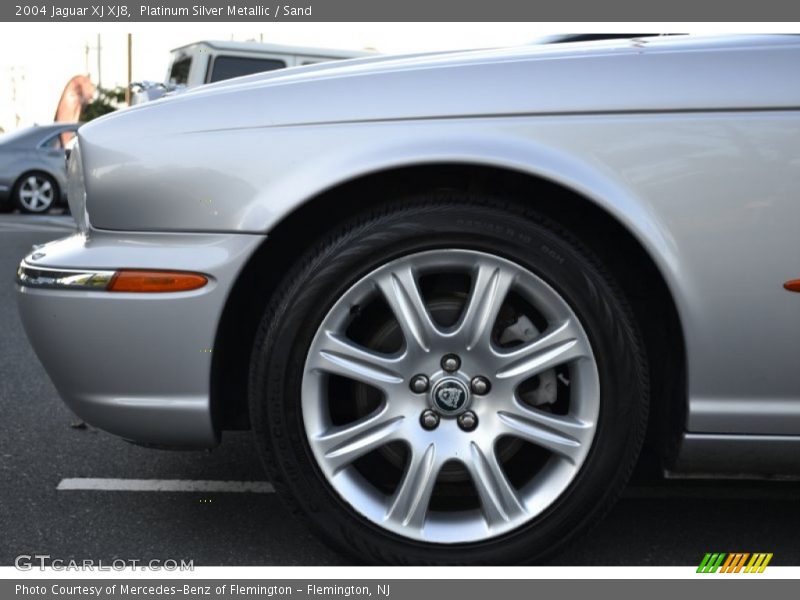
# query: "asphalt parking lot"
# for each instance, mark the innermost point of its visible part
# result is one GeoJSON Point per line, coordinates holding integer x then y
{"type": "Point", "coordinates": [42, 445]}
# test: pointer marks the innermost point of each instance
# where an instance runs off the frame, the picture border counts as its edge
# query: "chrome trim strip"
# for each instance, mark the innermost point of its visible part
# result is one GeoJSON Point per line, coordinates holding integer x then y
{"type": "Point", "coordinates": [79, 279]}
{"type": "Point", "coordinates": [737, 455]}
{"type": "Point", "coordinates": [745, 415]}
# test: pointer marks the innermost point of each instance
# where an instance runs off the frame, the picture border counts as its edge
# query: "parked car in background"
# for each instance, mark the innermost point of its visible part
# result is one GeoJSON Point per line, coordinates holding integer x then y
{"type": "Point", "coordinates": [452, 295]}
{"type": "Point", "coordinates": [211, 61]}
{"type": "Point", "coordinates": [33, 167]}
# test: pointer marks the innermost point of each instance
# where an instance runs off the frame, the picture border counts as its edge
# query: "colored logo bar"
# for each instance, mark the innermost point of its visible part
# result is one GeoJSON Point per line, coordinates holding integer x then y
{"type": "Point", "coordinates": [734, 562]}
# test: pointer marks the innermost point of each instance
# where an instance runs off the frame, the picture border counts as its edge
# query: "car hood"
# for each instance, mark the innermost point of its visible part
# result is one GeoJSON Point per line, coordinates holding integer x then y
{"type": "Point", "coordinates": [653, 74]}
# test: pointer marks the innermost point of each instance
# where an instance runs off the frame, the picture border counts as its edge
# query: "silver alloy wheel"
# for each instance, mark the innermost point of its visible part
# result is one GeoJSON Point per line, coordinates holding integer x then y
{"type": "Point", "coordinates": [36, 193]}
{"type": "Point", "coordinates": [500, 413]}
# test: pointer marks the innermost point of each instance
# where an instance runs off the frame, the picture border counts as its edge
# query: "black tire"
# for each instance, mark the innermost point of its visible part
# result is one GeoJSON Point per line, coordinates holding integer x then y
{"type": "Point", "coordinates": [331, 266]}
{"type": "Point", "coordinates": [44, 178]}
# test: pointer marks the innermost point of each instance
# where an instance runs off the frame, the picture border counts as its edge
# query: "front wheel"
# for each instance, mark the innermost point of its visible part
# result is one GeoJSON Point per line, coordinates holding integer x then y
{"type": "Point", "coordinates": [449, 381]}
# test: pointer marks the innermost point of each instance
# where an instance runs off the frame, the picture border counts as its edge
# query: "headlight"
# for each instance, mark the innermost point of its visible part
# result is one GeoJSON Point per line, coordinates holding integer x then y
{"type": "Point", "coordinates": [76, 189]}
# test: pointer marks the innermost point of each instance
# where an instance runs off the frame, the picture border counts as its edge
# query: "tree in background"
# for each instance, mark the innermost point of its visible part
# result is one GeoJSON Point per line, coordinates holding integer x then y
{"type": "Point", "coordinates": [104, 102]}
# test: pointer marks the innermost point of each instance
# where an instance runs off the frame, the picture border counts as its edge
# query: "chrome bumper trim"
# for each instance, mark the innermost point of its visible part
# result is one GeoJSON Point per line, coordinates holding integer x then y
{"type": "Point", "coordinates": [76, 279]}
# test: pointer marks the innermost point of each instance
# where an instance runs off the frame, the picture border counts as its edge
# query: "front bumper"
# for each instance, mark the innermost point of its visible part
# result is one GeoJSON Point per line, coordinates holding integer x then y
{"type": "Point", "coordinates": [137, 365]}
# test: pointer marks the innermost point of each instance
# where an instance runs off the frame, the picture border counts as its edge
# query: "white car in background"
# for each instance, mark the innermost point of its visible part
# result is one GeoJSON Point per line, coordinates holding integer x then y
{"type": "Point", "coordinates": [211, 61]}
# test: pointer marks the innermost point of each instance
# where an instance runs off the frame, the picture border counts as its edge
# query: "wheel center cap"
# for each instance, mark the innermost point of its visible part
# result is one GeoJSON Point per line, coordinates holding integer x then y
{"type": "Point", "coordinates": [450, 396]}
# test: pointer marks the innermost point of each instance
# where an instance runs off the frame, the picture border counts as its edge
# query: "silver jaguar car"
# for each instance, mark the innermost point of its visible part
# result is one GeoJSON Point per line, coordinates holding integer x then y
{"type": "Point", "coordinates": [453, 296]}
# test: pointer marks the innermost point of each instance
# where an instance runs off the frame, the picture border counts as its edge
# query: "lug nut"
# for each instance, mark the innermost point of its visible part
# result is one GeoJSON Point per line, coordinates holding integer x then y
{"type": "Point", "coordinates": [451, 362]}
{"type": "Point", "coordinates": [419, 384]}
{"type": "Point", "coordinates": [480, 385]}
{"type": "Point", "coordinates": [468, 421]}
{"type": "Point", "coordinates": [429, 419]}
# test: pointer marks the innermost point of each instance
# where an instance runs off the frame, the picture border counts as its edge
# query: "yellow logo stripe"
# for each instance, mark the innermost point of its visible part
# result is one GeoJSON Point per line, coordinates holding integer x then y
{"type": "Point", "coordinates": [758, 563]}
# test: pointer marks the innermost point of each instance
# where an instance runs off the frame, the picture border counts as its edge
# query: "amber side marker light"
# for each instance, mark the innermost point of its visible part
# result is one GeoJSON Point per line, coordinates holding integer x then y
{"type": "Point", "coordinates": [155, 281]}
{"type": "Point", "coordinates": [793, 285]}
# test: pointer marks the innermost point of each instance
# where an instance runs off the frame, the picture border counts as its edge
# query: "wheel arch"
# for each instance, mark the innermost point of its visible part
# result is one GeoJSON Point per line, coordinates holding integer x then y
{"type": "Point", "coordinates": [637, 257]}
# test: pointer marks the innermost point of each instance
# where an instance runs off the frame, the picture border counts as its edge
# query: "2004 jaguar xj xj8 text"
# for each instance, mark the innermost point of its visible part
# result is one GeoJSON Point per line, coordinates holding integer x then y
{"type": "Point", "coordinates": [452, 295]}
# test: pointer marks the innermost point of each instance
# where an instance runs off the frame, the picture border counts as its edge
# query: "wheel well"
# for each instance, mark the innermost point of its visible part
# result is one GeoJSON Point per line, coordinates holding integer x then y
{"type": "Point", "coordinates": [613, 244]}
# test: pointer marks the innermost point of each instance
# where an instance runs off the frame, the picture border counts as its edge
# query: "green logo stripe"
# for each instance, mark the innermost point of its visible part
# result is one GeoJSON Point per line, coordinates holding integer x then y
{"type": "Point", "coordinates": [711, 562]}
{"type": "Point", "coordinates": [704, 562]}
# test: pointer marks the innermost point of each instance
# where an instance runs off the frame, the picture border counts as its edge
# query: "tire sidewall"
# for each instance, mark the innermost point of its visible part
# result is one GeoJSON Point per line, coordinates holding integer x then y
{"type": "Point", "coordinates": [357, 249]}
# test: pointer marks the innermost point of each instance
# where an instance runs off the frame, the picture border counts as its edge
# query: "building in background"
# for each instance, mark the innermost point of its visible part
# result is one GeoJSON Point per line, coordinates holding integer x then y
{"type": "Point", "coordinates": [33, 77]}
{"type": "Point", "coordinates": [13, 97]}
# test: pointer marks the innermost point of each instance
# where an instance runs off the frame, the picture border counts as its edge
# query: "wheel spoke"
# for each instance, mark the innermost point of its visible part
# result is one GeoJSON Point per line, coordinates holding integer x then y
{"type": "Point", "coordinates": [358, 460]}
{"type": "Point", "coordinates": [409, 505]}
{"type": "Point", "coordinates": [340, 356]}
{"type": "Point", "coordinates": [45, 188]}
{"type": "Point", "coordinates": [33, 183]}
{"type": "Point", "coordinates": [499, 499]}
{"type": "Point", "coordinates": [565, 436]}
{"type": "Point", "coordinates": [341, 445]}
{"type": "Point", "coordinates": [399, 288]}
{"type": "Point", "coordinates": [490, 286]}
{"type": "Point", "coordinates": [555, 347]}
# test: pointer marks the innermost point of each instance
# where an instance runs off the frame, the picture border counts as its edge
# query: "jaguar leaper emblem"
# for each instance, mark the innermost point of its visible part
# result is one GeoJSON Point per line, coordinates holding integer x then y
{"type": "Point", "coordinates": [450, 395]}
